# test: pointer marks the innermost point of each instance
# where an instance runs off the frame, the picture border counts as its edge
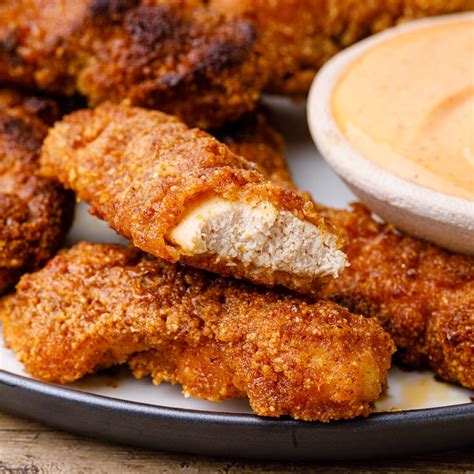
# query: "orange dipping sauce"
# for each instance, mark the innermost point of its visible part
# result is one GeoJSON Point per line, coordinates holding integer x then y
{"type": "Point", "coordinates": [407, 105]}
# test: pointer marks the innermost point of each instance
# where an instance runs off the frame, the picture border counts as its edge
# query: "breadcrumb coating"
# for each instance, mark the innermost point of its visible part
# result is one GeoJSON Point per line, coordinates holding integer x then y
{"type": "Point", "coordinates": [149, 176]}
{"type": "Point", "coordinates": [301, 35]}
{"type": "Point", "coordinates": [35, 212]}
{"type": "Point", "coordinates": [175, 55]}
{"type": "Point", "coordinates": [253, 138]}
{"type": "Point", "coordinates": [422, 294]}
{"type": "Point", "coordinates": [97, 305]}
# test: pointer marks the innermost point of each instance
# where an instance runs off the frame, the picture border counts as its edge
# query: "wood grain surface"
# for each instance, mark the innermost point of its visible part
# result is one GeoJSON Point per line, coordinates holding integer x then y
{"type": "Point", "coordinates": [27, 447]}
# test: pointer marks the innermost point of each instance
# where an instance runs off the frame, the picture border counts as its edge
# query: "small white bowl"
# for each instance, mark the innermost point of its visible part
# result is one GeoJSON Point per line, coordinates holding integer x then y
{"type": "Point", "coordinates": [445, 220]}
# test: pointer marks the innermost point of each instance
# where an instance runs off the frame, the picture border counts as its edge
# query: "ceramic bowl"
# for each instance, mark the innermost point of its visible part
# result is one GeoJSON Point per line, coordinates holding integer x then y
{"type": "Point", "coordinates": [445, 220]}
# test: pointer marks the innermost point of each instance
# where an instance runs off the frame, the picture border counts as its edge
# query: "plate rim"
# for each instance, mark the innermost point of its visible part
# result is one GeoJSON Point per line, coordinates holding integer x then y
{"type": "Point", "coordinates": [237, 435]}
{"type": "Point", "coordinates": [71, 394]}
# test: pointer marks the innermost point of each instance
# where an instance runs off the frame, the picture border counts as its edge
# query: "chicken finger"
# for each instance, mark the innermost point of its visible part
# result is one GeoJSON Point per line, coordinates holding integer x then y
{"type": "Point", "coordinates": [96, 305]}
{"type": "Point", "coordinates": [422, 294]}
{"type": "Point", "coordinates": [35, 212]}
{"type": "Point", "coordinates": [175, 55]}
{"type": "Point", "coordinates": [301, 35]}
{"type": "Point", "coordinates": [181, 195]}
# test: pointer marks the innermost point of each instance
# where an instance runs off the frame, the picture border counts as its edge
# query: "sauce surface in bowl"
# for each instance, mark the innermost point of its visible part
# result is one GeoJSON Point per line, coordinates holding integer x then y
{"type": "Point", "coordinates": [407, 105]}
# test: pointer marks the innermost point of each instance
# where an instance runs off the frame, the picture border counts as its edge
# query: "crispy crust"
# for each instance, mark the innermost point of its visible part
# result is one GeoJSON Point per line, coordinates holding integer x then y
{"type": "Point", "coordinates": [174, 55]}
{"type": "Point", "coordinates": [140, 170]}
{"type": "Point", "coordinates": [35, 212]}
{"type": "Point", "coordinates": [253, 138]}
{"type": "Point", "coordinates": [422, 294]}
{"type": "Point", "coordinates": [96, 305]}
{"type": "Point", "coordinates": [301, 35]}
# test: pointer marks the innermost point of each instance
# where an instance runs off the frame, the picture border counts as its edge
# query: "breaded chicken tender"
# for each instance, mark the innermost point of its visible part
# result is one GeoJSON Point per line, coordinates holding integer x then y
{"type": "Point", "coordinates": [35, 212]}
{"type": "Point", "coordinates": [97, 305]}
{"type": "Point", "coordinates": [422, 294]}
{"type": "Point", "coordinates": [175, 55]}
{"type": "Point", "coordinates": [183, 196]}
{"type": "Point", "coordinates": [301, 35]}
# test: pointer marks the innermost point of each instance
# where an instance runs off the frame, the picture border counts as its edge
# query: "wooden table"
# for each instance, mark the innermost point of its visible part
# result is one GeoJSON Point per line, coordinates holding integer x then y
{"type": "Point", "coordinates": [27, 447]}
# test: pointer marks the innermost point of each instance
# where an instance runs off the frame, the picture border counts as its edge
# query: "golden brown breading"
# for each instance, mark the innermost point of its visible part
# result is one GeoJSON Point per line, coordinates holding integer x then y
{"type": "Point", "coordinates": [181, 195]}
{"type": "Point", "coordinates": [174, 55]}
{"type": "Point", "coordinates": [253, 138]}
{"type": "Point", "coordinates": [422, 294]}
{"type": "Point", "coordinates": [96, 305]}
{"type": "Point", "coordinates": [35, 212]}
{"type": "Point", "coordinates": [301, 35]}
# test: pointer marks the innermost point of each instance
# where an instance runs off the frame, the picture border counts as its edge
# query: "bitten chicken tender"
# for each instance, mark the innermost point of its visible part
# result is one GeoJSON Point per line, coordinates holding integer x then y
{"type": "Point", "coordinates": [97, 305]}
{"type": "Point", "coordinates": [35, 212]}
{"type": "Point", "coordinates": [301, 35]}
{"type": "Point", "coordinates": [181, 195]}
{"type": "Point", "coordinates": [422, 294]}
{"type": "Point", "coordinates": [175, 55]}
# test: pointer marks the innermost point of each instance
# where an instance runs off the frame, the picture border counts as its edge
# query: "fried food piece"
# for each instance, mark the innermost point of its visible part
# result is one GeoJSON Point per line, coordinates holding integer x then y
{"type": "Point", "coordinates": [175, 55]}
{"type": "Point", "coordinates": [100, 304]}
{"type": "Point", "coordinates": [181, 195]}
{"type": "Point", "coordinates": [39, 111]}
{"type": "Point", "coordinates": [254, 139]}
{"type": "Point", "coordinates": [301, 35]}
{"type": "Point", "coordinates": [422, 294]}
{"type": "Point", "coordinates": [35, 212]}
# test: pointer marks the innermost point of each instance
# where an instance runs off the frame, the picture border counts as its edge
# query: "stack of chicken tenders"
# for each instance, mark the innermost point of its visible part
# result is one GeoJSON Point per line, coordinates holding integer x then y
{"type": "Point", "coordinates": [235, 282]}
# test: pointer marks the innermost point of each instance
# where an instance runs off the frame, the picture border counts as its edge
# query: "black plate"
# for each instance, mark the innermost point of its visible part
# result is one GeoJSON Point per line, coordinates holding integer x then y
{"type": "Point", "coordinates": [237, 435]}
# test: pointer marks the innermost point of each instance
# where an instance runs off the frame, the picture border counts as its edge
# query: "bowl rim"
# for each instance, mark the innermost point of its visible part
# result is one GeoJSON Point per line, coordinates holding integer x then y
{"type": "Point", "coordinates": [352, 165]}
